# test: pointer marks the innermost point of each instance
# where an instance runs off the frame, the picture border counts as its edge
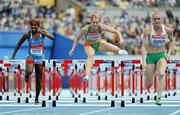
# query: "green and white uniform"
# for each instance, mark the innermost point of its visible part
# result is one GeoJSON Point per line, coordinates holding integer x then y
{"type": "Point", "coordinates": [157, 41]}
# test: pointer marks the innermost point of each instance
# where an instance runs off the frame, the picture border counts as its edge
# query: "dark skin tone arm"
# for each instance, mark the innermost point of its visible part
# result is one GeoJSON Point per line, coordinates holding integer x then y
{"type": "Point", "coordinates": [21, 41]}
{"type": "Point", "coordinates": [45, 33]}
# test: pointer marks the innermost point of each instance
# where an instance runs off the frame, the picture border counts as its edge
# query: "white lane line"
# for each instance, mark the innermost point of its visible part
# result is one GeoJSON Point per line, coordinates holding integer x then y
{"type": "Point", "coordinates": [88, 113]}
{"type": "Point", "coordinates": [152, 105]}
{"type": "Point", "coordinates": [99, 101]}
{"type": "Point", "coordinates": [19, 105]}
{"type": "Point", "coordinates": [21, 110]}
{"type": "Point", "coordinates": [90, 105]}
{"type": "Point", "coordinates": [74, 105]}
{"type": "Point", "coordinates": [85, 105]}
{"type": "Point", "coordinates": [175, 113]}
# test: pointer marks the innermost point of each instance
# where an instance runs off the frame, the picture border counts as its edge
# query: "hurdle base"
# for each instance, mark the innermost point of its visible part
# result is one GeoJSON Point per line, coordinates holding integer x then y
{"type": "Point", "coordinates": [0, 97]}
{"type": "Point", "coordinates": [43, 103]}
{"type": "Point", "coordinates": [30, 96]}
{"type": "Point", "coordinates": [27, 100]}
{"type": "Point", "coordinates": [141, 100]}
{"type": "Point", "coordinates": [79, 95]}
{"type": "Point", "coordinates": [75, 100]}
{"type": "Point", "coordinates": [84, 100]}
{"type": "Point", "coordinates": [165, 95]}
{"type": "Point", "coordinates": [72, 95]}
{"type": "Point", "coordinates": [54, 103]}
{"type": "Point", "coordinates": [14, 93]}
{"type": "Point", "coordinates": [135, 94]}
{"type": "Point", "coordinates": [133, 100]}
{"type": "Point", "coordinates": [169, 94]}
{"type": "Point", "coordinates": [96, 94]}
{"type": "Point", "coordinates": [57, 98]}
{"type": "Point", "coordinates": [148, 97]}
{"type": "Point", "coordinates": [7, 98]}
{"type": "Point", "coordinates": [106, 97]}
{"type": "Point", "coordinates": [112, 103]}
{"type": "Point", "coordinates": [122, 103]}
{"type": "Point", "coordinates": [99, 97]}
{"type": "Point", "coordinates": [19, 100]}
{"type": "Point", "coordinates": [91, 94]}
{"type": "Point", "coordinates": [155, 97]}
{"type": "Point", "coordinates": [49, 97]}
{"type": "Point", "coordinates": [174, 94]}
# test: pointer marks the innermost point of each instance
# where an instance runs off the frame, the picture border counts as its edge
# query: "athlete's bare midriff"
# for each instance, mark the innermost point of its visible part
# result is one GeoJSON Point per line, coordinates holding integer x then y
{"type": "Point", "coordinates": [91, 41]}
{"type": "Point", "coordinates": [152, 49]}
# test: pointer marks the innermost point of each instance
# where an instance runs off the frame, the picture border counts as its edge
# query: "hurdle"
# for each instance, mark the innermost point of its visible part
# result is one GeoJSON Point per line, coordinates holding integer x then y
{"type": "Point", "coordinates": [127, 70]}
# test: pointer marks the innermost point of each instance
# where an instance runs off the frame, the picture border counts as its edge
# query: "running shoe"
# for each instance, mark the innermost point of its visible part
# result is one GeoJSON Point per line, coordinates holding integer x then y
{"type": "Point", "coordinates": [86, 79]}
{"type": "Point", "coordinates": [158, 101]}
{"type": "Point", "coordinates": [123, 52]}
{"type": "Point", "coordinates": [36, 101]}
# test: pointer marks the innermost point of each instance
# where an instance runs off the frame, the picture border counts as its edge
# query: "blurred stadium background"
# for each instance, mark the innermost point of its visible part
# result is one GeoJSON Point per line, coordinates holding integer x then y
{"type": "Point", "coordinates": [64, 18]}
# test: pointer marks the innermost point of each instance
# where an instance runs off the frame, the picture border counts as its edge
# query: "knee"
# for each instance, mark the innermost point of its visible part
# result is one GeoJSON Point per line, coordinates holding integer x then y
{"type": "Point", "coordinates": [28, 72]}
{"type": "Point", "coordinates": [90, 56]}
{"type": "Point", "coordinates": [149, 79]}
{"type": "Point", "coordinates": [162, 75]}
{"type": "Point", "coordinates": [116, 50]}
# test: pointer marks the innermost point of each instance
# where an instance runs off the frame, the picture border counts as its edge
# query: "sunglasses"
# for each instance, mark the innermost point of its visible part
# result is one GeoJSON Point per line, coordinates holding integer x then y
{"type": "Point", "coordinates": [157, 18]}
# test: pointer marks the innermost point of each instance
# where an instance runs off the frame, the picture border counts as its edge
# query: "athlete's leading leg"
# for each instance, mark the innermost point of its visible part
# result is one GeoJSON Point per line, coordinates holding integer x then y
{"type": "Point", "coordinates": [108, 47]}
{"type": "Point", "coordinates": [150, 73]}
{"type": "Point", "coordinates": [38, 71]}
{"type": "Point", "coordinates": [90, 54]}
{"type": "Point", "coordinates": [29, 70]}
{"type": "Point", "coordinates": [161, 68]}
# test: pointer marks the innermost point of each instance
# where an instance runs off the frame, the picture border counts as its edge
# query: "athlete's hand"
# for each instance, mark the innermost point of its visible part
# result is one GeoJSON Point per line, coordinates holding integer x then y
{"type": "Point", "coordinates": [168, 56]}
{"type": "Point", "coordinates": [71, 52]}
{"type": "Point", "coordinates": [121, 43]}
{"type": "Point", "coordinates": [39, 30]}
{"type": "Point", "coordinates": [143, 65]}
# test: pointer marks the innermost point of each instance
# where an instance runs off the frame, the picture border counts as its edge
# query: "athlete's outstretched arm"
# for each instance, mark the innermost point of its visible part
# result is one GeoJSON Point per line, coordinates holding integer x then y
{"type": "Point", "coordinates": [112, 30]}
{"type": "Point", "coordinates": [45, 33]}
{"type": "Point", "coordinates": [171, 42]}
{"type": "Point", "coordinates": [23, 38]}
{"type": "Point", "coordinates": [76, 40]}
{"type": "Point", "coordinates": [143, 48]}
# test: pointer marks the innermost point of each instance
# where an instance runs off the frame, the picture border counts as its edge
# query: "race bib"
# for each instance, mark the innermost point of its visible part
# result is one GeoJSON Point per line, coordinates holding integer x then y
{"type": "Point", "coordinates": [94, 36]}
{"type": "Point", "coordinates": [36, 51]}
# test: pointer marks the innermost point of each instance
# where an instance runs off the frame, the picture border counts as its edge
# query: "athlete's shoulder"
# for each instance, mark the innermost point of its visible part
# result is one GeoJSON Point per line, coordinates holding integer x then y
{"type": "Point", "coordinates": [85, 28]}
{"type": "Point", "coordinates": [26, 34]}
{"type": "Point", "coordinates": [102, 26]}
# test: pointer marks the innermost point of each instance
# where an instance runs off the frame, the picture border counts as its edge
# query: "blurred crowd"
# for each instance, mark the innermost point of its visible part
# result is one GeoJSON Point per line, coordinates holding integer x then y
{"type": "Point", "coordinates": [13, 16]}
{"type": "Point", "coordinates": [134, 3]}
